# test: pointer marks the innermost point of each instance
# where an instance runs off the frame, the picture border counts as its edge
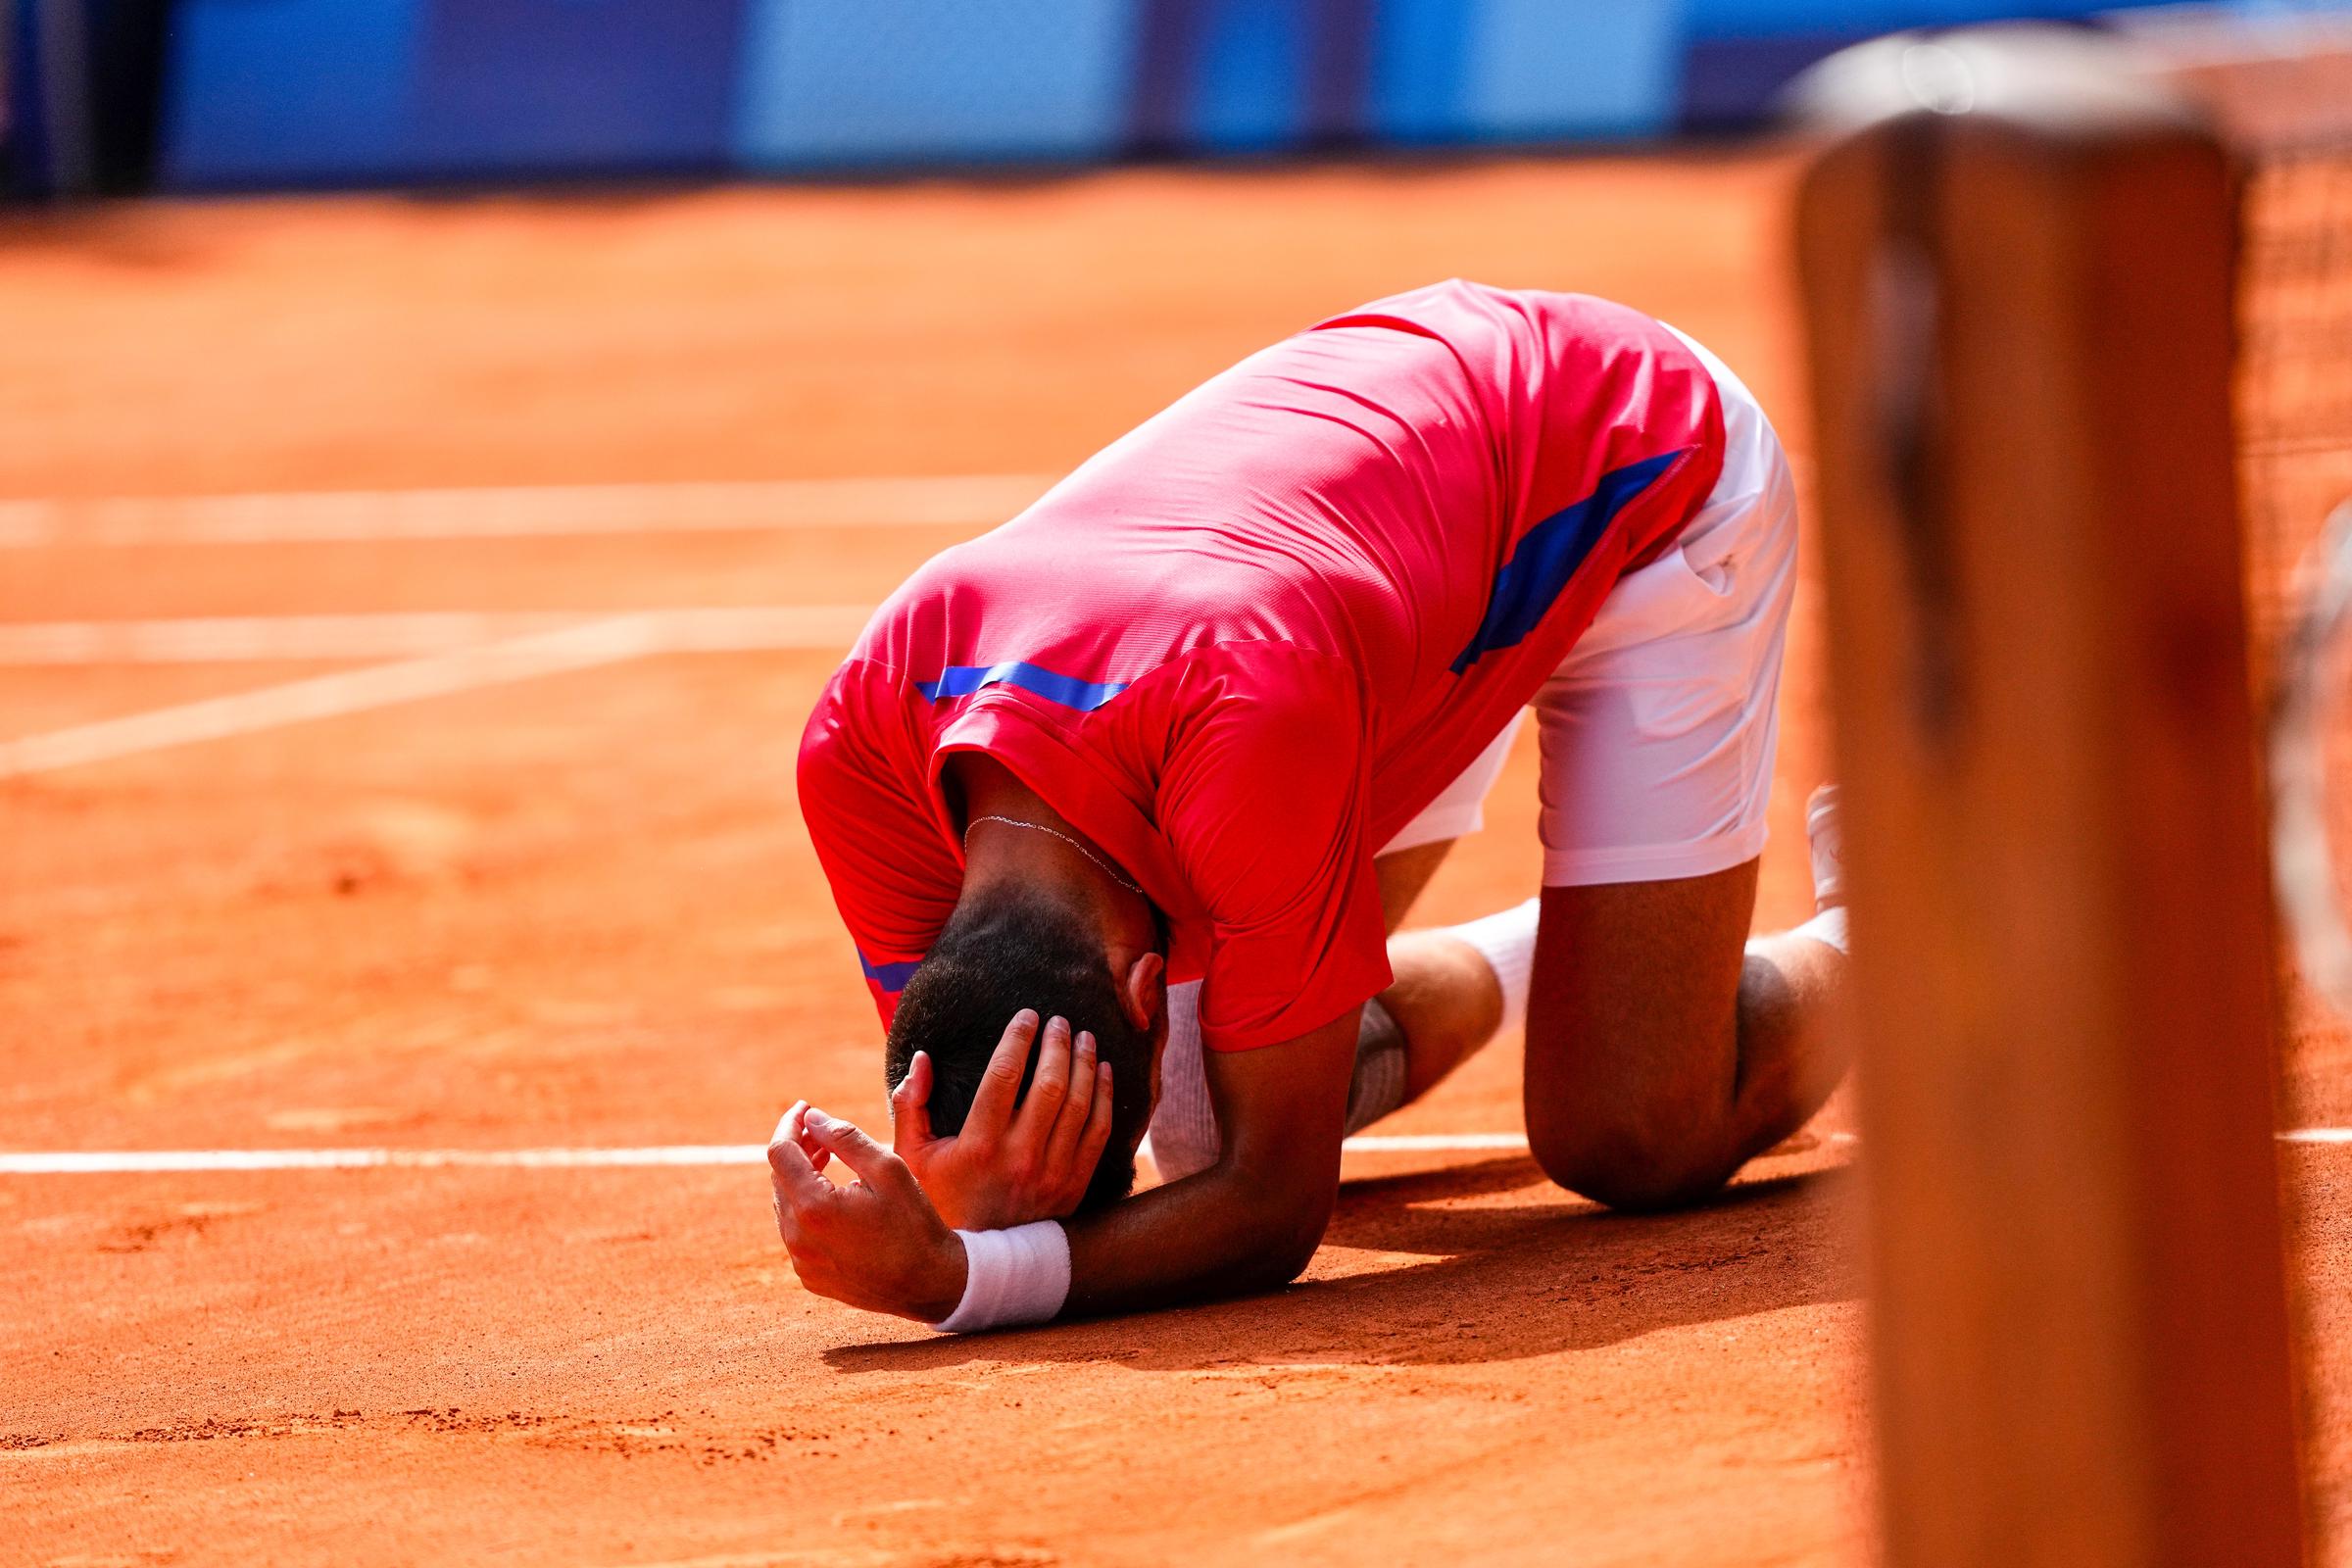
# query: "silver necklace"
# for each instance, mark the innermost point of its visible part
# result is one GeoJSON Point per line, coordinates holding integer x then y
{"type": "Point", "coordinates": [1108, 870]}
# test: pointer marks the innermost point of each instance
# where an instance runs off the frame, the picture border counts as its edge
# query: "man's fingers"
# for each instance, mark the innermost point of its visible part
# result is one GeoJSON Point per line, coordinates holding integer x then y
{"type": "Point", "coordinates": [911, 1104]}
{"type": "Point", "coordinates": [1078, 1103]}
{"type": "Point", "coordinates": [788, 1168]}
{"type": "Point", "coordinates": [875, 1165]}
{"type": "Point", "coordinates": [1049, 1088]}
{"type": "Point", "coordinates": [795, 1122]}
{"type": "Point", "coordinates": [1098, 1124]}
{"type": "Point", "coordinates": [1001, 1084]}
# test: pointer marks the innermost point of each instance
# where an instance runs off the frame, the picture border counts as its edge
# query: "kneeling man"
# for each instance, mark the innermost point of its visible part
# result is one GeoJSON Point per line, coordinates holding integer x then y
{"type": "Point", "coordinates": [1121, 801]}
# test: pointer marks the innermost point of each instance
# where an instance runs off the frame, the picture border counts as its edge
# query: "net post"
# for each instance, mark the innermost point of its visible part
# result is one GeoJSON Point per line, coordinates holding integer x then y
{"type": "Point", "coordinates": [2018, 257]}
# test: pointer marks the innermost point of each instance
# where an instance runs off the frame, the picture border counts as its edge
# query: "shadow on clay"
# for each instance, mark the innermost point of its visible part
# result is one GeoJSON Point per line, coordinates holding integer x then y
{"type": "Point", "coordinates": [1488, 1281]}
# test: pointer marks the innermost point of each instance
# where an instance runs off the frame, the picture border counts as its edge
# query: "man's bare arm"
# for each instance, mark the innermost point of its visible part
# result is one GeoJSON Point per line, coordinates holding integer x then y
{"type": "Point", "coordinates": [1249, 1222]}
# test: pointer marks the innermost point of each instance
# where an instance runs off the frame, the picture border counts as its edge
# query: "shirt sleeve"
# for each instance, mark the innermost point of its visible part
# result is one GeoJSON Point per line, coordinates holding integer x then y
{"type": "Point", "coordinates": [865, 795]}
{"type": "Point", "coordinates": [1265, 802]}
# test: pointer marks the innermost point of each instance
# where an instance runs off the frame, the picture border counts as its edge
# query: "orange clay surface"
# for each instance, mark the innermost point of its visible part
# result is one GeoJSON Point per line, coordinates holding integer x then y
{"type": "Point", "coordinates": [581, 912]}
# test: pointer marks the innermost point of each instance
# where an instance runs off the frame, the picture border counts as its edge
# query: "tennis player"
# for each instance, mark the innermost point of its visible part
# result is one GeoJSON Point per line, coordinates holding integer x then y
{"type": "Point", "coordinates": [1122, 801]}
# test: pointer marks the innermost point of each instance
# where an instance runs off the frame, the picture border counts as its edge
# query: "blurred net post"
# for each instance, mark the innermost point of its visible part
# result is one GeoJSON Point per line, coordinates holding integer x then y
{"type": "Point", "coordinates": [2018, 257]}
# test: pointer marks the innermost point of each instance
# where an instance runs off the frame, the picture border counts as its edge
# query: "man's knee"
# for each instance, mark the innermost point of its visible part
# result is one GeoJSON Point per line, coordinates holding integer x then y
{"type": "Point", "coordinates": [1638, 1166]}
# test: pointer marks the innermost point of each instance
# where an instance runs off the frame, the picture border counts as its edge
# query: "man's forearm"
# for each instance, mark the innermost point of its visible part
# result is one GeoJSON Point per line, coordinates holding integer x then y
{"type": "Point", "coordinates": [1220, 1233]}
{"type": "Point", "coordinates": [1250, 1221]}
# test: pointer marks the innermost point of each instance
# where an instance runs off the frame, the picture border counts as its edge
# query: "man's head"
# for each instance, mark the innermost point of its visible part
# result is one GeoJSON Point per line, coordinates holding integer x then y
{"type": "Point", "coordinates": [1010, 946]}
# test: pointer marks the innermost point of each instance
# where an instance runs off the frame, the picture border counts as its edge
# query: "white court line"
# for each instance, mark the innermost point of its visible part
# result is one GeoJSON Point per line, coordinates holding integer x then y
{"type": "Point", "coordinates": [105, 1162]}
{"type": "Point", "coordinates": [233, 639]}
{"type": "Point", "coordinates": [119, 1162]}
{"type": "Point", "coordinates": [521, 511]}
{"type": "Point", "coordinates": [573, 648]}
{"type": "Point", "coordinates": [140, 1161]}
{"type": "Point", "coordinates": [1430, 1143]}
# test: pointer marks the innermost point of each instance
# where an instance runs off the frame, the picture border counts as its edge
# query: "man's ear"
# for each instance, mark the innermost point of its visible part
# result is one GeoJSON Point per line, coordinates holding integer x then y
{"type": "Point", "coordinates": [1143, 991]}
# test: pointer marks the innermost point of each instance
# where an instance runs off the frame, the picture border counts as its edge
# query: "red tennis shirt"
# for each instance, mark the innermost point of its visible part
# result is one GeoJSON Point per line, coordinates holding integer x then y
{"type": "Point", "coordinates": [1245, 644]}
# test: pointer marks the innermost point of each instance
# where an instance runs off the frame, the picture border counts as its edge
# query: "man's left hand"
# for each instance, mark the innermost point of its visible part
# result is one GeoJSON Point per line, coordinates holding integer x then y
{"type": "Point", "coordinates": [1012, 1163]}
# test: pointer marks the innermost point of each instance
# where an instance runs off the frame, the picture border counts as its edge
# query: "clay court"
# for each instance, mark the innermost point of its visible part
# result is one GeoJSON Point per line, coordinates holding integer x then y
{"type": "Point", "coordinates": [528, 876]}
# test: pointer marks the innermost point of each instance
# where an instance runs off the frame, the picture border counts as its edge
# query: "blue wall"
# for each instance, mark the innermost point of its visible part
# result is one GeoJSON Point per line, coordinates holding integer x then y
{"type": "Point", "coordinates": [267, 91]}
{"type": "Point", "coordinates": [329, 91]}
{"type": "Point", "coordinates": [284, 92]}
{"type": "Point", "coordinates": [1524, 70]}
{"type": "Point", "coordinates": [1023, 79]}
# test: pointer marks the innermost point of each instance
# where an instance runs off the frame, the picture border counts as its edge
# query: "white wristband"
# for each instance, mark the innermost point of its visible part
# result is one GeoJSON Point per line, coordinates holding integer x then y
{"type": "Point", "coordinates": [1011, 1277]}
{"type": "Point", "coordinates": [1828, 928]}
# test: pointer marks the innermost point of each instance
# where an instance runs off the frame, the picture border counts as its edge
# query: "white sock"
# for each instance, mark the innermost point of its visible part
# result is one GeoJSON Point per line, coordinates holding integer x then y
{"type": "Point", "coordinates": [1184, 1138]}
{"type": "Point", "coordinates": [1824, 833]}
{"type": "Point", "coordinates": [1825, 836]}
{"type": "Point", "coordinates": [1381, 1063]}
{"type": "Point", "coordinates": [1506, 940]}
{"type": "Point", "coordinates": [1826, 928]}
{"type": "Point", "coordinates": [1184, 1124]}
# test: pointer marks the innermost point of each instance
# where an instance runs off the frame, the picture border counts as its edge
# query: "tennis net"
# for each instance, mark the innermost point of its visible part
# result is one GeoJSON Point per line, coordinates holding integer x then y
{"type": "Point", "coordinates": [2281, 87]}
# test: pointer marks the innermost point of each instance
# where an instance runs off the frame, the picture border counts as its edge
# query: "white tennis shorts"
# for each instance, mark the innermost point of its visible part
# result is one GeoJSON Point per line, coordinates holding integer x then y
{"type": "Point", "coordinates": [1658, 730]}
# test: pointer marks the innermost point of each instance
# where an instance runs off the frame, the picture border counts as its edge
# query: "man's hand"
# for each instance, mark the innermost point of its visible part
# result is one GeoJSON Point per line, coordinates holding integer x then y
{"type": "Point", "coordinates": [877, 1243]}
{"type": "Point", "coordinates": [1011, 1165]}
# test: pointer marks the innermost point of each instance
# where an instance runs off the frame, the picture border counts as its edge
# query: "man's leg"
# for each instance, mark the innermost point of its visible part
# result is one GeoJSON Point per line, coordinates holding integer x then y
{"type": "Point", "coordinates": [1451, 992]}
{"type": "Point", "coordinates": [1663, 1047]}
{"type": "Point", "coordinates": [1404, 874]}
{"type": "Point", "coordinates": [1453, 989]}
{"type": "Point", "coordinates": [1664, 1050]}
{"type": "Point", "coordinates": [1456, 987]}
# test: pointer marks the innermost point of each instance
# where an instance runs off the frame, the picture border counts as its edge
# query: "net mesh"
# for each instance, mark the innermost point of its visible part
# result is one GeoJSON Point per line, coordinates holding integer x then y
{"type": "Point", "coordinates": [2290, 113]}
{"type": "Point", "coordinates": [2284, 94]}
{"type": "Point", "coordinates": [2295, 363]}
{"type": "Point", "coordinates": [2295, 359]}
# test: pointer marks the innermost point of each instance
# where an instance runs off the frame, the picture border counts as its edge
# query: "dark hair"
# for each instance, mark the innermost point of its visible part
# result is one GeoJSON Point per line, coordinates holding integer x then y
{"type": "Point", "coordinates": [1019, 949]}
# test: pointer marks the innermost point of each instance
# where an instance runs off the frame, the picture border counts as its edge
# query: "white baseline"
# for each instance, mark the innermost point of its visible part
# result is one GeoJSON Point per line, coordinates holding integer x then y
{"type": "Point", "coordinates": [139, 1161]}
{"type": "Point", "coordinates": [510, 511]}
{"type": "Point", "coordinates": [588, 645]}
{"type": "Point", "coordinates": [406, 634]}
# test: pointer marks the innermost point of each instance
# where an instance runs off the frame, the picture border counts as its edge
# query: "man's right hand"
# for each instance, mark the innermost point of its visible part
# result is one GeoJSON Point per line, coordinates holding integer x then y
{"type": "Point", "coordinates": [876, 1243]}
{"type": "Point", "coordinates": [1011, 1162]}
